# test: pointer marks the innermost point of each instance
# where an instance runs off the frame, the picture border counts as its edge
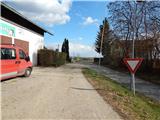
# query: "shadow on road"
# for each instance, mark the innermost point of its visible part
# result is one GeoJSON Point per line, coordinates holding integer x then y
{"type": "Point", "coordinates": [85, 88]}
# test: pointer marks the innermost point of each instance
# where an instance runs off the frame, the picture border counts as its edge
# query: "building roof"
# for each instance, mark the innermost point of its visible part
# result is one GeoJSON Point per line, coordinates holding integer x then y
{"type": "Point", "coordinates": [11, 14]}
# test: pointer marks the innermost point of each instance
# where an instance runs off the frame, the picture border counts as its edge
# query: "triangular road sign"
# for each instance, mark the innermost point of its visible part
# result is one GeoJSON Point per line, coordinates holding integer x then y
{"type": "Point", "coordinates": [133, 63]}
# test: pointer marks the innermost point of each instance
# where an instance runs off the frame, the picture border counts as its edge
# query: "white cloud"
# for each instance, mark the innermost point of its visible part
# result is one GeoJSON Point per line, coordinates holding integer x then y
{"type": "Point", "coordinates": [89, 21]}
{"type": "Point", "coordinates": [54, 46]}
{"type": "Point", "coordinates": [82, 50]}
{"type": "Point", "coordinates": [76, 49]}
{"type": "Point", "coordinates": [49, 12]}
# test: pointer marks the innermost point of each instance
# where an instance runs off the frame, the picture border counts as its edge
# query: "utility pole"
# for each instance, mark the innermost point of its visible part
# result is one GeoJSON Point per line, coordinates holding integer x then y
{"type": "Point", "coordinates": [101, 42]}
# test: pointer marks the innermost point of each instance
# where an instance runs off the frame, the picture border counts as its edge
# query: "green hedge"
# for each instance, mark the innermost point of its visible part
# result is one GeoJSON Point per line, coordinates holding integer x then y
{"type": "Point", "coordinates": [51, 58]}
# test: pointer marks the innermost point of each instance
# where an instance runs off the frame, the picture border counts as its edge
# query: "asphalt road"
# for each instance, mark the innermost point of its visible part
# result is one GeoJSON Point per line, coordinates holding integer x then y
{"type": "Point", "coordinates": [55, 94]}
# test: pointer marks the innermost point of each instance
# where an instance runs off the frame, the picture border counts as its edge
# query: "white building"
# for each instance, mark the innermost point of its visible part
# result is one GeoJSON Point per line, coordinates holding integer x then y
{"type": "Point", "coordinates": [17, 29]}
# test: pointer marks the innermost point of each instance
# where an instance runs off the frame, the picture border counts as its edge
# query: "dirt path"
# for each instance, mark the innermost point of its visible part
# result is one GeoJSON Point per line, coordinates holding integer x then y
{"type": "Point", "coordinates": [55, 94]}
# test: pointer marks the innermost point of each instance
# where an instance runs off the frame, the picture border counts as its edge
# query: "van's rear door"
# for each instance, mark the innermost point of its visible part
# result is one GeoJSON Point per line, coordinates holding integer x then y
{"type": "Point", "coordinates": [8, 63]}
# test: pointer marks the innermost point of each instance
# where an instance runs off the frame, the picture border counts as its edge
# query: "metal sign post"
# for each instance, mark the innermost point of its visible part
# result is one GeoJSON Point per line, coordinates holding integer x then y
{"type": "Point", "coordinates": [133, 83]}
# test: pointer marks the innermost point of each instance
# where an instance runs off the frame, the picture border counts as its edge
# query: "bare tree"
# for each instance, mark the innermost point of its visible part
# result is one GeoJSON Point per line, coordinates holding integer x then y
{"type": "Point", "coordinates": [135, 20]}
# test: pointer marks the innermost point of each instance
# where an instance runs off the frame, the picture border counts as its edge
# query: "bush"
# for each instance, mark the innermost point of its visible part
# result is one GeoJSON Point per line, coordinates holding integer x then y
{"type": "Point", "coordinates": [51, 58]}
{"type": "Point", "coordinates": [59, 58]}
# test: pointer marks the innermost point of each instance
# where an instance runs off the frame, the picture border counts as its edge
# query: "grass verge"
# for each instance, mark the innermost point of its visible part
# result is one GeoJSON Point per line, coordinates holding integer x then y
{"type": "Point", "coordinates": [123, 101]}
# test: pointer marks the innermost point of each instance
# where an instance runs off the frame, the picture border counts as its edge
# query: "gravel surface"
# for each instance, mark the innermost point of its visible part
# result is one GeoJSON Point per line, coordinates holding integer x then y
{"type": "Point", "coordinates": [55, 94]}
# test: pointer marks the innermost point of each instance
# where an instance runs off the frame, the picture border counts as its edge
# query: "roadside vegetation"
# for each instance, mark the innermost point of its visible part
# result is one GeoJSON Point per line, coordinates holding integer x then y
{"type": "Point", "coordinates": [54, 57]}
{"type": "Point", "coordinates": [129, 21]}
{"type": "Point", "coordinates": [123, 101]}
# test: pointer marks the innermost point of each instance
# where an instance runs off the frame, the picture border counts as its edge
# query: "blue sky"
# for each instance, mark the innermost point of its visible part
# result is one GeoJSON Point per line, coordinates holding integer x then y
{"type": "Point", "coordinates": [78, 21]}
{"type": "Point", "coordinates": [75, 30]}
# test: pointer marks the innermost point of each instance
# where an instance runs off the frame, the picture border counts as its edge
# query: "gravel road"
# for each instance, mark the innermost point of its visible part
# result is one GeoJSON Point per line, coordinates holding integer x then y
{"type": "Point", "coordinates": [55, 94]}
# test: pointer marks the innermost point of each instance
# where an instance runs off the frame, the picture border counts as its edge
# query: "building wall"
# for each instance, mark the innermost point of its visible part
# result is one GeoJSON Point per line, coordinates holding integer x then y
{"type": "Point", "coordinates": [18, 34]}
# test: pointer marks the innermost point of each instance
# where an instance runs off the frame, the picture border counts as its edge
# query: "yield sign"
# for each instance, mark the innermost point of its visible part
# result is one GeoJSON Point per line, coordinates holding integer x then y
{"type": "Point", "coordinates": [133, 63]}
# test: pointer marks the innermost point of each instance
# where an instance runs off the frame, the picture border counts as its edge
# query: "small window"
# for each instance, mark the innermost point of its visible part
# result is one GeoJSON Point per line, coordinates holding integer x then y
{"type": "Point", "coordinates": [22, 55]}
{"type": "Point", "coordinates": [7, 53]}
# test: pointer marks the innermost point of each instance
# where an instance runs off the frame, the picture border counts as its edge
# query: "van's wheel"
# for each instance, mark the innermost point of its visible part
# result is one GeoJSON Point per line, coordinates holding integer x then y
{"type": "Point", "coordinates": [27, 72]}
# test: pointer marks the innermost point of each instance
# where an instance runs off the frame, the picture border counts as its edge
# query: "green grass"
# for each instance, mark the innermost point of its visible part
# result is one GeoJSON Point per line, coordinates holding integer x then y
{"type": "Point", "coordinates": [122, 99]}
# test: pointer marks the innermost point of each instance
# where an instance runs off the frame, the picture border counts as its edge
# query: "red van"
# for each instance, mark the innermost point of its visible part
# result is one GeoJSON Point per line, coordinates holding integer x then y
{"type": "Point", "coordinates": [14, 62]}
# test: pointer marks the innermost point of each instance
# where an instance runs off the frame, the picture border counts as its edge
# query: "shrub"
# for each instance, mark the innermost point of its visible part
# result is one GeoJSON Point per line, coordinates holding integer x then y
{"type": "Point", "coordinates": [51, 58]}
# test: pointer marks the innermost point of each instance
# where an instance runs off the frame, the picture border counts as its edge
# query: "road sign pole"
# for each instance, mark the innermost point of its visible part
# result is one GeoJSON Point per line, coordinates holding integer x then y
{"type": "Point", "coordinates": [133, 83]}
{"type": "Point", "coordinates": [133, 50]}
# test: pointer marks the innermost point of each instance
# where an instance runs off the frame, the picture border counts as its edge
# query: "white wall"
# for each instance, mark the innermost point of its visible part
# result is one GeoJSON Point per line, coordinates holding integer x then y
{"type": "Point", "coordinates": [35, 40]}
